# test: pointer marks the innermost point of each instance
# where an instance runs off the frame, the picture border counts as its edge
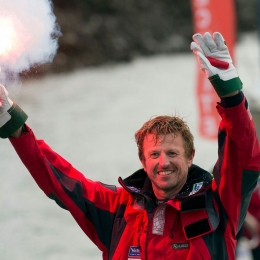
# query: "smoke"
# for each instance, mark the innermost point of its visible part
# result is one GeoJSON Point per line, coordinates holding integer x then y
{"type": "Point", "coordinates": [28, 36]}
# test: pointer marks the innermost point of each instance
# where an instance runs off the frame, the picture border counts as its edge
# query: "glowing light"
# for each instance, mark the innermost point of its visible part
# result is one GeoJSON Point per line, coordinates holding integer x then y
{"type": "Point", "coordinates": [8, 37]}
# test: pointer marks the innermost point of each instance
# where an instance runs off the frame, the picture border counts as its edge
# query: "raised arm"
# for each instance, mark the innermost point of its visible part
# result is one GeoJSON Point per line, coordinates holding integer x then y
{"type": "Point", "coordinates": [92, 204]}
{"type": "Point", "coordinates": [237, 169]}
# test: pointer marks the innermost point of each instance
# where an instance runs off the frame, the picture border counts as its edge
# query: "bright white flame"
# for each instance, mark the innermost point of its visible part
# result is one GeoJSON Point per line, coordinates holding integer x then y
{"type": "Point", "coordinates": [7, 33]}
{"type": "Point", "coordinates": [9, 43]}
{"type": "Point", "coordinates": [27, 28]}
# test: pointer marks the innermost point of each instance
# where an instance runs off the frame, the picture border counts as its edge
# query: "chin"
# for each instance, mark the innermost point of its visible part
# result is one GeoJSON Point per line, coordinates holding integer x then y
{"type": "Point", "coordinates": [167, 187]}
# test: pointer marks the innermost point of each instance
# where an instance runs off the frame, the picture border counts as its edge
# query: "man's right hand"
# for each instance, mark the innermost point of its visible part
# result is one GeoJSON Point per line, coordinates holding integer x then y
{"type": "Point", "coordinates": [12, 117]}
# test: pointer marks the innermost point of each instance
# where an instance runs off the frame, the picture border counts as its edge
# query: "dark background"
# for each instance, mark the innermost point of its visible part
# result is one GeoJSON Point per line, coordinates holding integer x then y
{"type": "Point", "coordinates": [96, 32]}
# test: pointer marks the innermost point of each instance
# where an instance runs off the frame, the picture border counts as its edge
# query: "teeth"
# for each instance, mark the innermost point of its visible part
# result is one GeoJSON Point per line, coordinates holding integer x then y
{"type": "Point", "coordinates": [164, 172]}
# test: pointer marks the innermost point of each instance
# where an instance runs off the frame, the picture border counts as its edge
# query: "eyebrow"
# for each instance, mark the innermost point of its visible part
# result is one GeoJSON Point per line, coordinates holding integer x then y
{"type": "Point", "coordinates": [168, 150]}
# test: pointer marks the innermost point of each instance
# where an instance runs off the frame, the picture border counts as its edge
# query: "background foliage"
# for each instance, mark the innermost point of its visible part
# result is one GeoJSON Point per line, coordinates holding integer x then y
{"type": "Point", "coordinates": [101, 31]}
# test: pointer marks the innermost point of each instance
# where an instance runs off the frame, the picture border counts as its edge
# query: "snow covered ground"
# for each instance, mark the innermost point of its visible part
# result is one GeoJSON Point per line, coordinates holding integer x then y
{"type": "Point", "coordinates": [90, 117]}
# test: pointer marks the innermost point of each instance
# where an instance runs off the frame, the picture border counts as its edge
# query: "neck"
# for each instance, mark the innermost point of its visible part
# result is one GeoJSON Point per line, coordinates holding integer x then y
{"type": "Point", "coordinates": [162, 195]}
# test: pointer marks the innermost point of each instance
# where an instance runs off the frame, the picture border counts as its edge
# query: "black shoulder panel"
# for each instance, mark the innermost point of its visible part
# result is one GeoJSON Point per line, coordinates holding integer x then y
{"type": "Point", "coordinates": [110, 187]}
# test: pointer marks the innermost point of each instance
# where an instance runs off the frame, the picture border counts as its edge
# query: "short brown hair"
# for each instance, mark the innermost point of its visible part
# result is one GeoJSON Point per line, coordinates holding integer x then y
{"type": "Point", "coordinates": [163, 125]}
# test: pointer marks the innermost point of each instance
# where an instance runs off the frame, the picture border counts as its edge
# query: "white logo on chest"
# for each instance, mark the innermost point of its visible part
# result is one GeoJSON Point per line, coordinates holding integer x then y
{"type": "Point", "coordinates": [159, 220]}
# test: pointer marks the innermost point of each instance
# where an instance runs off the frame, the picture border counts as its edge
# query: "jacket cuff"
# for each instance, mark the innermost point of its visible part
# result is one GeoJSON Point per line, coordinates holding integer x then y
{"type": "Point", "coordinates": [232, 101]}
{"type": "Point", "coordinates": [18, 118]}
{"type": "Point", "coordinates": [223, 87]}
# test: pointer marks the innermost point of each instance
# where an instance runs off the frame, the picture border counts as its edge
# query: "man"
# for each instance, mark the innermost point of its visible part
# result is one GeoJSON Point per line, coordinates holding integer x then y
{"type": "Point", "coordinates": [170, 209]}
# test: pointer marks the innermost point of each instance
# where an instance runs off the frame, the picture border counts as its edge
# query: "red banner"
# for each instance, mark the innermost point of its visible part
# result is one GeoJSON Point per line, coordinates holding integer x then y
{"type": "Point", "coordinates": [212, 16]}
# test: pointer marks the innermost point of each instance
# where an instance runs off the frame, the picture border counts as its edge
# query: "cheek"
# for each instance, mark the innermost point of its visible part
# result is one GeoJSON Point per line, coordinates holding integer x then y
{"type": "Point", "coordinates": [149, 165]}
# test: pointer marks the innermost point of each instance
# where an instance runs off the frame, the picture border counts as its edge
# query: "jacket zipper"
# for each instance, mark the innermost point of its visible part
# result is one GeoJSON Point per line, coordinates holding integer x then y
{"type": "Point", "coordinates": [173, 226]}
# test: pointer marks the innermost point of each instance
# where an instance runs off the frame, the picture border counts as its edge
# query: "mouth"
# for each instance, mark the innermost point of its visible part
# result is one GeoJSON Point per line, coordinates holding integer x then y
{"type": "Point", "coordinates": [165, 173]}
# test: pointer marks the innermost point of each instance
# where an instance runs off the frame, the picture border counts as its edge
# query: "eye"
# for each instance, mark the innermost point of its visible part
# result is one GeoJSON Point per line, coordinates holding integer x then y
{"type": "Point", "coordinates": [154, 155]}
{"type": "Point", "coordinates": [172, 154]}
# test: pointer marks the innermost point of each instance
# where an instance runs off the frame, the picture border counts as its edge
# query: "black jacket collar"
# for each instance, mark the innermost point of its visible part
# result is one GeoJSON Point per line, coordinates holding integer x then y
{"type": "Point", "coordinates": [139, 182]}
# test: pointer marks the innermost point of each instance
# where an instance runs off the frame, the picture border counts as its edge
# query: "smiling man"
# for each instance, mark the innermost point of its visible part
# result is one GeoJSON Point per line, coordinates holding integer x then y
{"type": "Point", "coordinates": [166, 151]}
{"type": "Point", "coordinates": [171, 208]}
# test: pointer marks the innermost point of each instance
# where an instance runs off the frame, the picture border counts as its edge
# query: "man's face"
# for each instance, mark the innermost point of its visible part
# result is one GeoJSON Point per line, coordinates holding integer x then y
{"type": "Point", "coordinates": [166, 164]}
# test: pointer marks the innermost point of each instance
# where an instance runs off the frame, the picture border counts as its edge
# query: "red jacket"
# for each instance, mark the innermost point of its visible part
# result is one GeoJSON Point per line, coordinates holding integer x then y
{"type": "Point", "coordinates": [201, 222]}
{"type": "Point", "coordinates": [254, 210]}
{"type": "Point", "coordinates": [254, 205]}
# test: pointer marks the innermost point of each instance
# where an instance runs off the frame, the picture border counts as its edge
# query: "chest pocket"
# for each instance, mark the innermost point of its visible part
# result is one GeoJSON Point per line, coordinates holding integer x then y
{"type": "Point", "coordinates": [198, 215]}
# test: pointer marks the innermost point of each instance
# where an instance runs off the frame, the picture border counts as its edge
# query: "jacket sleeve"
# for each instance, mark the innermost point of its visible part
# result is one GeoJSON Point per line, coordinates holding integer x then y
{"type": "Point", "coordinates": [92, 204]}
{"type": "Point", "coordinates": [237, 169]}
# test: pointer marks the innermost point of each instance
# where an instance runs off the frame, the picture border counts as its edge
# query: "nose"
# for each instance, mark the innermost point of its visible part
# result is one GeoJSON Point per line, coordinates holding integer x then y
{"type": "Point", "coordinates": [164, 161]}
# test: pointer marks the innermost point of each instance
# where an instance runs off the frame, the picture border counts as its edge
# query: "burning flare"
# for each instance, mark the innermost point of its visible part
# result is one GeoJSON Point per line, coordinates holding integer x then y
{"type": "Point", "coordinates": [11, 44]}
{"type": "Point", "coordinates": [8, 36]}
{"type": "Point", "coordinates": [28, 36]}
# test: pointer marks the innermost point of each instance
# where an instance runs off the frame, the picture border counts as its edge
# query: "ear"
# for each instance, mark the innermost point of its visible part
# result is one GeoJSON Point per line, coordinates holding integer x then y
{"type": "Point", "coordinates": [190, 160]}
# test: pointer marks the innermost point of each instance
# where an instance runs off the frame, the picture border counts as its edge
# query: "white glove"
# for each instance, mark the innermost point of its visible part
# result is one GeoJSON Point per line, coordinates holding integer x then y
{"type": "Point", "coordinates": [12, 117]}
{"type": "Point", "coordinates": [224, 81]}
{"type": "Point", "coordinates": [5, 105]}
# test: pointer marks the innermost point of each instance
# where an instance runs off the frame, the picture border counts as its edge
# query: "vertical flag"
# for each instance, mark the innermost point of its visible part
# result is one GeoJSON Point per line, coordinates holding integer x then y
{"type": "Point", "coordinates": [212, 16]}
